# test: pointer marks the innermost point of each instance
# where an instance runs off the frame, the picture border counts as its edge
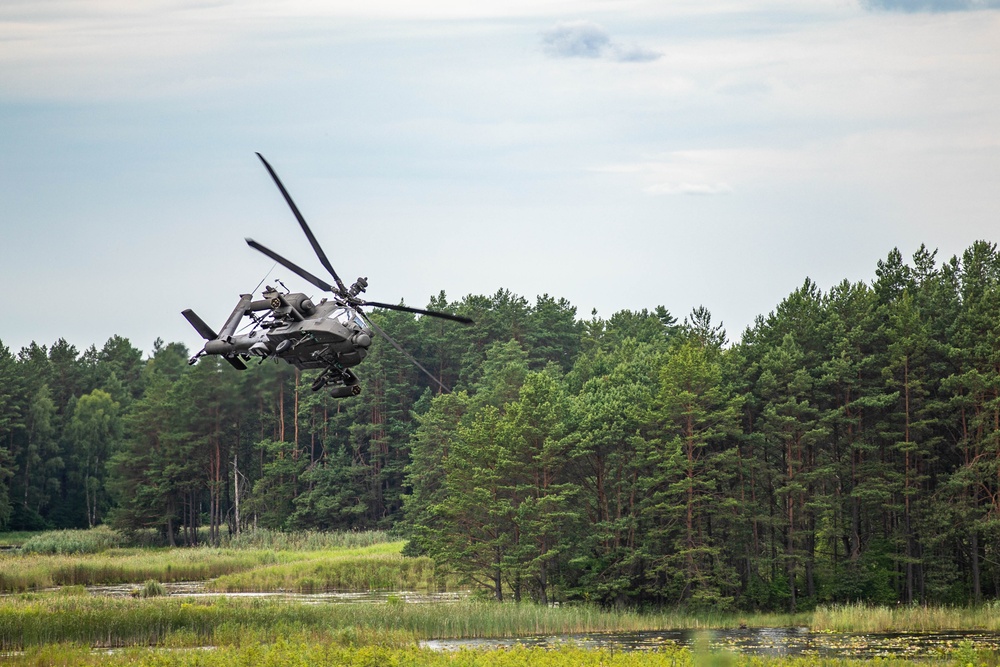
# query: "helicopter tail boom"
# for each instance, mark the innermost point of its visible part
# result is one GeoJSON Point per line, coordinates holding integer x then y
{"type": "Point", "coordinates": [208, 333]}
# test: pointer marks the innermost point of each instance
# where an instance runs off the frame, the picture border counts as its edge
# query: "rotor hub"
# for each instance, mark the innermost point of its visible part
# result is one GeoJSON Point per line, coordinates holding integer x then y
{"type": "Point", "coordinates": [358, 287]}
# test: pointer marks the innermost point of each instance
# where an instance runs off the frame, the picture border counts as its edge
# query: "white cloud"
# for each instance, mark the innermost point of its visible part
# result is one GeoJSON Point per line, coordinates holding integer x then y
{"type": "Point", "coordinates": [634, 53]}
{"type": "Point", "coordinates": [914, 6]}
{"type": "Point", "coordinates": [586, 39]}
{"type": "Point", "coordinates": [688, 189]}
{"type": "Point", "coordinates": [432, 120]}
{"type": "Point", "coordinates": [576, 39]}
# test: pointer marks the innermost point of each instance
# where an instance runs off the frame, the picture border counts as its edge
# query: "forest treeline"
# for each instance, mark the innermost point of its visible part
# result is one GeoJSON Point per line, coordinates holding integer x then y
{"type": "Point", "coordinates": [846, 448]}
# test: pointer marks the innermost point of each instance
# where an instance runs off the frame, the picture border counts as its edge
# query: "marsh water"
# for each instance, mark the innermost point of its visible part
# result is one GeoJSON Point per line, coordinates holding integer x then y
{"type": "Point", "coordinates": [198, 589]}
{"type": "Point", "coordinates": [761, 641]}
{"type": "Point", "coordinates": [791, 641]}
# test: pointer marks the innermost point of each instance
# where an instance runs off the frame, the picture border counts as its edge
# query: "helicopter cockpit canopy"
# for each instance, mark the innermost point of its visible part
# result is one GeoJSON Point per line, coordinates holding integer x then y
{"type": "Point", "coordinates": [347, 317]}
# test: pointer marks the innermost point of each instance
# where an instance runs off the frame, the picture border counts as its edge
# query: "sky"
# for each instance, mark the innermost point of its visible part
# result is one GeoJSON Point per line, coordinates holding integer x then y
{"type": "Point", "coordinates": [621, 154]}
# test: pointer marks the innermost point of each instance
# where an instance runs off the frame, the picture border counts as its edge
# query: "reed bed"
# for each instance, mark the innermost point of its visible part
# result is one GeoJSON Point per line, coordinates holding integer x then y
{"type": "Point", "coordinates": [38, 619]}
{"type": "Point", "coordinates": [380, 567]}
{"type": "Point", "coordinates": [25, 572]}
{"type": "Point", "coordinates": [16, 538]}
{"type": "Point", "coordinates": [101, 538]}
{"type": "Point", "coordinates": [90, 541]}
{"type": "Point", "coordinates": [306, 540]}
{"type": "Point", "coordinates": [860, 618]}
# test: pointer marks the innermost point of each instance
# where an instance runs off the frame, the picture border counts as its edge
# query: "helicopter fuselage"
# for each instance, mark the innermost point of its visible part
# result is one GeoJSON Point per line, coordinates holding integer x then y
{"type": "Point", "coordinates": [305, 335]}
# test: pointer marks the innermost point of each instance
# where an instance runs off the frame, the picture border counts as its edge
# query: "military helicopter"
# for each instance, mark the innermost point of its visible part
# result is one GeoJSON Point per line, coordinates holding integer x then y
{"type": "Point", "coordinates": [332, 336]}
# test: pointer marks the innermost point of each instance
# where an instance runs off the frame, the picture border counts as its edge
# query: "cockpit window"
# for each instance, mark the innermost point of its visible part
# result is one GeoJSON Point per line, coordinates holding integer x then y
{"type": "Point", "coordinates": [346, 316]}
{"type": "Point", "coordinates": [341, 315]}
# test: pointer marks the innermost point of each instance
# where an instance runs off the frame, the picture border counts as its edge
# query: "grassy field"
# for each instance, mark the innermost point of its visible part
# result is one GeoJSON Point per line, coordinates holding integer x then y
{"type": "Point", "coordinates": [15, 538]}
{"type": "Point", "coordinates": [76, 616]}
{"type": "Point", "coordinates": [263, 562]}
{"type": "Point", "coordinates": [63, 625]}
{"type": "Point", "coordinates": [866, 619]}
{"type": "Point", "coordinates": [298, 651]}
{"type": "Point", "coordinates": [102, 538]}
{"type": "Point", "coordinates": [378, 567]}
{"type": "Point", "coordinates": [39, 619]}
{"type": "Point", "coordinates": [25, 572]}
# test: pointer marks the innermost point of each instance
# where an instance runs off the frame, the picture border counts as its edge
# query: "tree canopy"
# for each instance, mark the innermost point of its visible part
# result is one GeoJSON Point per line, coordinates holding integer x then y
{"type": "Point", "coordinates": [845, 448]}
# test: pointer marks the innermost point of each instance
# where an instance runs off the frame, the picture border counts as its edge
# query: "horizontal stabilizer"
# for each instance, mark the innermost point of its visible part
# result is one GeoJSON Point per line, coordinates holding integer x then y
{"type": "Point", "coordinates": [199, 325]}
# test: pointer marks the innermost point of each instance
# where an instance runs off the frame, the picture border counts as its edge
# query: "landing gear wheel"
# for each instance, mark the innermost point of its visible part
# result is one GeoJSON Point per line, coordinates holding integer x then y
{"type": "Point", "coordinates": [319, 383]}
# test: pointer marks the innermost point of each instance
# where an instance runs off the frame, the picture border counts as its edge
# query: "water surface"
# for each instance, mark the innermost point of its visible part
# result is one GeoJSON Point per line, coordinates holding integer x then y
{"type": "Point", "coordinates": [198, 589]}
{"type": "Point", "coordinates": [794, 641]}
{"type": "Point", "coordinates": [798, 641]}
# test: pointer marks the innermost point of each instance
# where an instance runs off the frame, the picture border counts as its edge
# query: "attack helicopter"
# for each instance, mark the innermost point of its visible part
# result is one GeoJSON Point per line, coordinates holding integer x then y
{"type": "Point", "coordinates": [331, 336]}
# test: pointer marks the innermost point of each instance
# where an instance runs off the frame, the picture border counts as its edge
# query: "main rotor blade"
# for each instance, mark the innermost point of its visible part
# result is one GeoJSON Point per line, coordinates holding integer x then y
{"type": "Point", "coordinates": [305, 228]}
{"type": "Point", "coordinates": [295, 268]}
{"type": "Point", "coordinates": [377, 329]}
{"type": "Point", "coordinates": [419, 311]}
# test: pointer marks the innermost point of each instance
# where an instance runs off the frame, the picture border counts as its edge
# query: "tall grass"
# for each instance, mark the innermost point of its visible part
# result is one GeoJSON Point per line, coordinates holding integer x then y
{"type": "Point", "coordinates": [90, 541]}
{"type": "Point", "coordinates": [20, 572]}
{"type": "Point", "coordinates": [306, 540]}
{"type": "Point", "coordinates": [16, 538]}
{"type": "Point", "coordinates": [378, 567]}
{"type": "Point", "coordinates": [298, 650]}
{"type": "Point", "coordinates": [904, 618]}
{"type": "Point", "coordinates": [34, 620]}
{"type": "Point", "coordinates": [102, 538]}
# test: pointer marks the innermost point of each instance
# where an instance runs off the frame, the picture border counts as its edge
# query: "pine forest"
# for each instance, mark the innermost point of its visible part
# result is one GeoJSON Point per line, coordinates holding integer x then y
{"type": "Point", "coordinates": [844, 448]}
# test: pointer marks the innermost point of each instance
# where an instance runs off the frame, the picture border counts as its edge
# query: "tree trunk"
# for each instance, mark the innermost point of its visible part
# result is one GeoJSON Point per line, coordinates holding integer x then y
{"type": "Point", "coordinates": [236, 488]}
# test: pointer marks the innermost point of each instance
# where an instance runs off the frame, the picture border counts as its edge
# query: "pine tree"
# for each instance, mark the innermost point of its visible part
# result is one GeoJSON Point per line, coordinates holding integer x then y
{"type": "Point", "coordinates": [544, 493]}
{"type": "Point", "coordinates": [687, 503]}
{"type": "Point", "coordinates": [95, 430]}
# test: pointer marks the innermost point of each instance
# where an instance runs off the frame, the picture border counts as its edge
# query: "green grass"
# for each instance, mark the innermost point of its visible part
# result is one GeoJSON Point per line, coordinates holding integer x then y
{"type": "Point", "coordinates": [102, 538]}
{"type": "Point", "coordinates": [303, 650]}
{"type": "Point", "coordinates": [91, 541]}
{"type": "Point", "coordinates": [306, 540]}
{"type": "Point", "coordinates": [862, 618]}
{"type": "Point", "coordinates": [151, 589]}
{"type": "Point", "coordinates": [25, 572]}
{"type": "Point", "coordinates": [377, 567]}
{"type": "Point", "coordinates": [16, 538]}
{"type": "Point", "coordinates": [38, 619]}
{"type": "Point", "coordinates": [47, 626]}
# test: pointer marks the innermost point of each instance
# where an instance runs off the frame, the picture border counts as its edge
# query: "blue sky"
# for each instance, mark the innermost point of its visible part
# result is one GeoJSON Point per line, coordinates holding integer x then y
{"type": "Point", "coordinates": [620, 154]}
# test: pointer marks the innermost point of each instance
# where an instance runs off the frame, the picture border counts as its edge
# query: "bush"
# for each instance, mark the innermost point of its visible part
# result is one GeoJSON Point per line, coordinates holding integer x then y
{"type": "Point", "coordinates": [90, 541]}
{"type": "Point", "coordinates": [306, 540]}
{"type": "Point", "coordinates": [151, 589]}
